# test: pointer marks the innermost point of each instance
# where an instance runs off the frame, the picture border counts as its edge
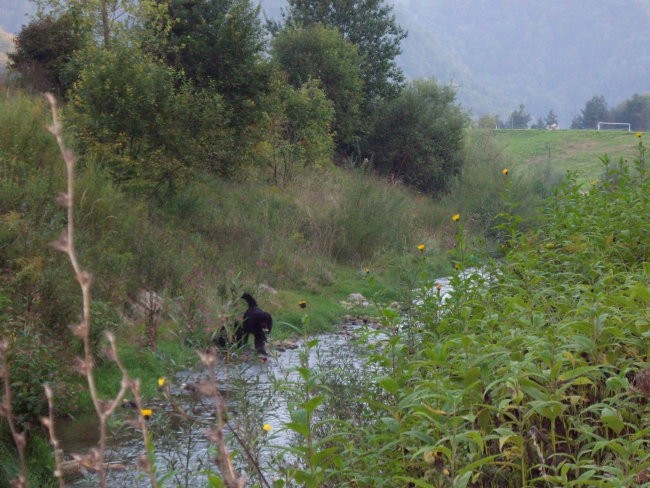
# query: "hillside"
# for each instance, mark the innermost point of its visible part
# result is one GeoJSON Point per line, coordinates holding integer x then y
{"type": "Point", "coordinates": [6, 44]}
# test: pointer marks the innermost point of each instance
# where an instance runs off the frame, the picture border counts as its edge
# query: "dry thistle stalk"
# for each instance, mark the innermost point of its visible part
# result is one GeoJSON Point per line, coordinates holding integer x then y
{"type": "Point", "coordinates": [216, 433]}
{"type": "Point", "coordinates": [94, 460]}
{"type": "Point", "coordinates": [5, 411]}
{"type": "Point", "coordinates": [48, 422]}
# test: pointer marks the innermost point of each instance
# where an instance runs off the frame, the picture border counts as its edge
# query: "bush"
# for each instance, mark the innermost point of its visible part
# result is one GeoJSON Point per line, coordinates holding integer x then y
{"type": "Point", "coordinates": [418, 137]}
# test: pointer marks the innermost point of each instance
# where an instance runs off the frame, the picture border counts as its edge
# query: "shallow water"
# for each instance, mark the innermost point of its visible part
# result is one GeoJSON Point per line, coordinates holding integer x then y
{"type": "Point", "coordinates": [250, 388]}
{"type": "Point", "coordinates": [182, 445]}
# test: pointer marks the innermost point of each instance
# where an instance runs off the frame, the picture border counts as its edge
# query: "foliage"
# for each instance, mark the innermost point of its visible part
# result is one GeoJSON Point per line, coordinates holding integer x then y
{"type": "Point", "coordinates": [320, 53]}
{"type": "Point", "coordinates": [568, 279]}
{"type": "Point", "coordinates": [368, 24]}
{"type": "Point", "coordinates": [417, 137]}
{"type": "Point", "coordinates": [43, 48]}
{"type": "Point", "coordinates": [635, 111]}
{"type": "Point", "coordinates": [532, 371]}
{"type": "Point", "coordinates": [595, 111]}
{"type": "Point", "coordinates": [217, 44]}
{"type": "Point", "coordinates": [478, 192]}
{"type": "Point", "coordinates": [107, 20]}
{"type": "Point", "coordinates": [551, 119]}
{"type": "Point", "coordinates": [127, 111]}
{"type": "Point", "coordinates": [298, 123]}
{"type": "Point", "coordinates": [519, 119]}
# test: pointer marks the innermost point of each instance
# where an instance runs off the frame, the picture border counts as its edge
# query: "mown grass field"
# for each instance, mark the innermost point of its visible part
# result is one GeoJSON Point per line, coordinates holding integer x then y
{"type": "Point", "coordinates": [566, 150]}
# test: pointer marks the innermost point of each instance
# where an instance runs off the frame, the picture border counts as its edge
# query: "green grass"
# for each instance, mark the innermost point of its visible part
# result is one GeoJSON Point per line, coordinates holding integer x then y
{"type": "Point", "coordinates": [566, 150]}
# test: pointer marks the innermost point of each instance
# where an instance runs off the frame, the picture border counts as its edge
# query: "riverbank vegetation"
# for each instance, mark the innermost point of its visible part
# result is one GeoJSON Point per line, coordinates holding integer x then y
{"type": "Point", "coordinates": [562, 317]}
{"type": "Point", "coordinates": [197, 178]}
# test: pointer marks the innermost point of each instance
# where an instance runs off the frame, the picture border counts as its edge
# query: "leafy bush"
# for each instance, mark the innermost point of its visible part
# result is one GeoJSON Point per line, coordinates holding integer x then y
{"type": "Point", "coordinates": [532, 371]}
{"type": "Point", "coordinates": [418, 136]}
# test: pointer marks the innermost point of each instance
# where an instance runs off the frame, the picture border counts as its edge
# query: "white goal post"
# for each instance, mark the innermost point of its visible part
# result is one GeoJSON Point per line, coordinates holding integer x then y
{"type": "Point", "coordinates": [603, 124]}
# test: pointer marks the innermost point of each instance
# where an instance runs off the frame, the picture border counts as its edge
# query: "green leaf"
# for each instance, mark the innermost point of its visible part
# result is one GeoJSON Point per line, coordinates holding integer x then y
{"type": "Point", "coordinates": [611, 419]}
{"type": "Point", "coordinates": [391, 424]}
{"type": "Point", "coordinates": [389, 384]}
{"type": "Point", "coordinates": [299, 428]}
{"type": "Point", "coordinates": [312, 404]}
{"type": "Point", "coordinates": [461, 480]}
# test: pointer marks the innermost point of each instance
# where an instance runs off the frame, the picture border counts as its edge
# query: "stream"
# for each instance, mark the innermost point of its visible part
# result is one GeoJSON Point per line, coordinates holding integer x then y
{"type": "Point", "coordinates": [249, 386]}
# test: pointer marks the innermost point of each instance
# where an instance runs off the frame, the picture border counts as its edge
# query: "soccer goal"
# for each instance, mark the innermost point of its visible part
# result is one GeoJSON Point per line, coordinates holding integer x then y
{"type": "Point", "coordinates": [616, 126]}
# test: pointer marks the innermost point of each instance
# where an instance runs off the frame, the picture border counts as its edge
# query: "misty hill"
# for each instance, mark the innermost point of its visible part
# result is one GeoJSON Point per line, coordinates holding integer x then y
{"type": "Point", "coordinates": [6, 45]}
{"type": "Point", "coordinates": [547, 55]}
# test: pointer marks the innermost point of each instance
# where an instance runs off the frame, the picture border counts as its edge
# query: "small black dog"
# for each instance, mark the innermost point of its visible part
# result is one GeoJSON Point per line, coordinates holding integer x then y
{"type": "Point", "coordinates": [257, 322]}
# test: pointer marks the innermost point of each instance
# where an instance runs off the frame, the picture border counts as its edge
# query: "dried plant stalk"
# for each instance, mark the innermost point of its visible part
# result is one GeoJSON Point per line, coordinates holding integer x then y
{"type": "Point", "coordinates": [94, 460]}
{"type": "Point", "coordinates": [5, 410]}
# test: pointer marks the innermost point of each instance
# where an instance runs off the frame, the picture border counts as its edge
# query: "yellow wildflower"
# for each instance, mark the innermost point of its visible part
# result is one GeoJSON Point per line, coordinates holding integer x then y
{"type": "Point", "coordinates": [146, 413]}
{"type": "Point", "coordinates": [639, 134]}
{"type": "Point", "coordinates": [302, 304]}
{"type": "Point", "coordinates": [420, 247]}
{"type": "Point", "coordinates": [267, 427]}
{"type": "Point", "coordinates": [504, 171]}
{"type": "Point", "coordinates": [455, 217]}
{"type": "Point", "coordinates": [161, 382]}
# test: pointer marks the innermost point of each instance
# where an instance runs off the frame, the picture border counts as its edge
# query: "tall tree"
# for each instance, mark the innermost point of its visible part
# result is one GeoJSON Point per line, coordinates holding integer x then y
{"type": "Point", "coordinates": [105, 18]}
{"type": "Point", "coordinates": [320, 53]}
{"type": "Point", "coordinates": [551, 119]}
{"type": "Point", "coordinates": [217, 44]}
{"type": "Point", "coordinates": [371, 25]}
{"type": "Point", "coordinates": [595, 111]}
{"type": "Point", "coordinates": [418, 136]}
{"type": "Point", "coordinates": [43, 49]}
{"type": "Point", "coordinates": [635, 111]}
{"type": "Point", "coordinates": [519, 118]}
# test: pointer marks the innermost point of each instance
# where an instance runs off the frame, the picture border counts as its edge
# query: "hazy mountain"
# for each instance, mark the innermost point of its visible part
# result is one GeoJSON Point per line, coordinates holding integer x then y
{"type": "Point", "coordinates": [6, 45]}
{"type": "Point", "coordinates": [546, 54]}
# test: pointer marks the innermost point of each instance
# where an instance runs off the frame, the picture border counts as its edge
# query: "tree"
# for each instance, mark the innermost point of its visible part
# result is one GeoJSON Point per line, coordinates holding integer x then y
{"type": "Point", "coordinates": [635, 111]}
{"type": "Point", "coordinates": [320, 53]}
{"type": "Point", "coordinates": [128, 112]}
{"type": "Point", "coordinates": [218, 44]}
{"type": "Point", "coordinates": [418, 136]}
{"type": "Point", "coordinates": [519, 119]}
{"type": "Point", "coordinates": [298, 122]}
{"type": "Point", "coordinates": [595, 111]}
{"type": "Point", "coordinates": [371, 26]}
{"type": "Point", "coordinates": [43, 49]}
{"type": "Point", "coordinates": [551, 119]}
{"type": "Point", "coordinates": [539, 124]}
{"type": "Point", "coordinates": [488, 122]}
{"type": "Point", "coordinates": [104, 18]}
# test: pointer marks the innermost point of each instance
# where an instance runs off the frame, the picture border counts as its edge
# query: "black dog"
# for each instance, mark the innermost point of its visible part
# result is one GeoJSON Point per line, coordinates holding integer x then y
{"type": "Point", "coordinates": [257, 322]}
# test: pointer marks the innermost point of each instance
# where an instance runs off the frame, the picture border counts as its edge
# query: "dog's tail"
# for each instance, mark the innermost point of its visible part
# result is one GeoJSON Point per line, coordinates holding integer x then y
{"type": "Point", "coordinates": [249, 299]}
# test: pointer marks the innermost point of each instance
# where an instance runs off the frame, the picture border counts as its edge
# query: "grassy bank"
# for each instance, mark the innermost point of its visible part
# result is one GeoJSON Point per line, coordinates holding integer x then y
{"type": "Point", "coordinates": [564, 150]}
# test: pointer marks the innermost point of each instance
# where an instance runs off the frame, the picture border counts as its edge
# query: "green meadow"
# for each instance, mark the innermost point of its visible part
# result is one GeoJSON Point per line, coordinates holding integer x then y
{"type": "Point", "coordinates": [564, 150]}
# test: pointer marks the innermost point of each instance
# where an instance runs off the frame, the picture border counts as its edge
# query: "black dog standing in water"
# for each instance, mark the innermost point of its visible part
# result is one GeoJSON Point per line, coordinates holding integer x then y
{"type": "Point", "coordinates": [257, 322]}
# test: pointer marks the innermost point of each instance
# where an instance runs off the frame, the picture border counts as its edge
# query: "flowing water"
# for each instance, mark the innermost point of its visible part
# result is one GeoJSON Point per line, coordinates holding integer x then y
{"type": "Point", "coordinates": [250, 388]}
